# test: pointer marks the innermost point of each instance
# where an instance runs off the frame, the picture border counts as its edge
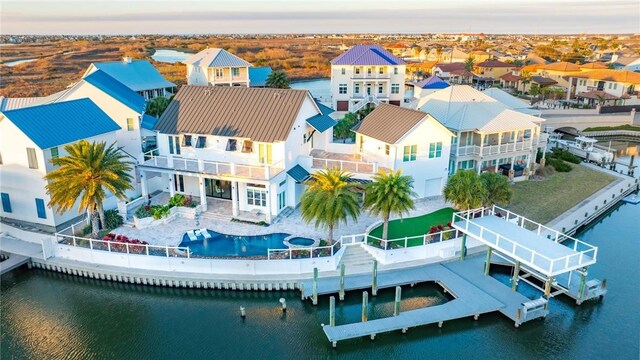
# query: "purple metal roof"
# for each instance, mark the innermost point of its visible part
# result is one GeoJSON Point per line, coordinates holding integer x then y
{"type": "Point", "coordinates": [433, 82]}
{"type": "Point", "coordinates": [367, 55]}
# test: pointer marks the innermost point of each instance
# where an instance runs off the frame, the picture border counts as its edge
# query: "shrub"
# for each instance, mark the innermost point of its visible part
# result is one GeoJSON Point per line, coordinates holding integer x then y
{"type": "Point", "coordinates": [160, 211]}
{"type": "Point", "coordinates": [565, 155]}
{"type": "Point", "coordinates": [177, 200]}
{"type": "Point", "coordinates": [559, 165]}
{"type": "Point", "coordinates": [112, 219]}
{"type": "Point", "coordinates": [87, 230]}
{"type": "Point", "coordinates": [144, 211]}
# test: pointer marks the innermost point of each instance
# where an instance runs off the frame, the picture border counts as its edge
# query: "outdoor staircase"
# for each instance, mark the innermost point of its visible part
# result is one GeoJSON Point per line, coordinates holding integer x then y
{"type": "Point", "coordinates": [214, 216]}
{"type": "Point", "coordinates": [283, 214]}
{"type": "Point", "coordinates": [357, 260]}
{"type": "Point", "coordinates": [369, 99]}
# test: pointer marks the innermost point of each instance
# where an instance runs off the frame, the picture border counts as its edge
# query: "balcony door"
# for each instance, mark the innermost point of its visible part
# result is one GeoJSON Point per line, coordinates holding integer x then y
{"type": "Point", "coordinates": [264, 153]}
{"type": "Point", "coordinates": [219, 189]}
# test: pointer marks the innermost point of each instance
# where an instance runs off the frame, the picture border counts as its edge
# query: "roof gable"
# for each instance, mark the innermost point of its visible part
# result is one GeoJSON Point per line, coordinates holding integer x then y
{"type": "Point", "coordinates": [259, 114]}
{"type": "Point", "coordinates": [216, 57]}
{"type": "Point", "coordinates": [137, 75]}
{"type": "Point", "coordinates": [390, 123]}
{"type": "Point", "coordinates": [61, 123]}
{"type": "Point", "coordinates": [116, 90]}
{"type": "Point", "coordinates": [433, 82]}
{"type": "Point", "coordinates": [367, 55]}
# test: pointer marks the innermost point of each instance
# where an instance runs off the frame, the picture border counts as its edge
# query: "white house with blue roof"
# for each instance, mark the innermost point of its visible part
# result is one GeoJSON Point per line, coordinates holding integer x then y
{"type": "Point", "coordinates": [217, 67]}
{"type": "Point", "coordinates": [428, 86]}
{"type": "Point", "coordinates": [138, 75]}
{"type": "Point", "coordinates": [29, 138]}
{"type": "Point", "coordinates": [366, 74]}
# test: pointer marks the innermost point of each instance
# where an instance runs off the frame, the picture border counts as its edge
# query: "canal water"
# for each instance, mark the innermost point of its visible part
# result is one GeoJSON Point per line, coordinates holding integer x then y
{"type": "Point", "coordinates": [46, 315]}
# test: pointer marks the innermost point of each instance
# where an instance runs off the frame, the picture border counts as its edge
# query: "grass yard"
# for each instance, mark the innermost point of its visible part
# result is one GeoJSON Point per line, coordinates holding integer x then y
{"type": "Point", "coordinates": [543, 201]}
{"type": "Point", "coordinates": [415, 226]}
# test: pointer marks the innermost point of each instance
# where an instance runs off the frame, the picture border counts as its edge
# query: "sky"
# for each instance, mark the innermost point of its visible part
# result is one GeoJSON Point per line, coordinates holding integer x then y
{"type": "Point", "coordinates": [318, 16]}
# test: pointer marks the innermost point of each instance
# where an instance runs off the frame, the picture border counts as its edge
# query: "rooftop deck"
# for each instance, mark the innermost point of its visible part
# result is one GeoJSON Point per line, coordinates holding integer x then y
{"type": "Point", "coordinates": [349, 162]}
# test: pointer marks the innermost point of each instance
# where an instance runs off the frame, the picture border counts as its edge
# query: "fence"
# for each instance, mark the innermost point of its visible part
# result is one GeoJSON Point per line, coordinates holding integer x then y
{"type": "Point", "coordinates": [137, 248]}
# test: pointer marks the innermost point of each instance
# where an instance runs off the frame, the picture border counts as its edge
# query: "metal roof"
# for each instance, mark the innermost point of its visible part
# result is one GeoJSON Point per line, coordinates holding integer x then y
{"type": "Point", "coordinates": [259, 114]}
{"type": "Point", "coordinates": [389, 123]}
{"type": "Point", "coordinates": [16, 103]}
{"type": "Point", "coordinates": [367, 55]}
{"type": "Point", "coordinates": [433, 82]}
{"type": "Point", "coordinates": [216, 57]}
{"type": "Point", "coordinates": [117, 90]}
{"type": "Point", "coordinates": [148, 122]}
{"type": "Point", "coordinates": [321, 122]}
{"type": "Point", "coordinates": [61, 123]}
{"type": "Point", "coordinates": [258, 76]}
{"type": "Point", "coordinates": [299, 174]}
{"type": "Point", "coordinates": [137, 75]}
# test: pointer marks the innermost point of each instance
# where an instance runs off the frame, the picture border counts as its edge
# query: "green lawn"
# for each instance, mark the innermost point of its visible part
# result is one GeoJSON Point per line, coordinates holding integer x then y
{"type": "Point", "coordinates": [415, 226]}
{"type": "Point", "coordinates": [543, 201]}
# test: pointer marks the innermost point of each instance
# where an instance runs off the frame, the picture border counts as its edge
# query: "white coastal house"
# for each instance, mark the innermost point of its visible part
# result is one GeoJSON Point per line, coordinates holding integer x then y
{"type": "Point", "coordinates": [215, 66]}
{"type": "Point", "coordinates": [29, 138]}
{"type": "Point", "coordinates": [366, 74]}
{"type": "Point", "coordinates": [138, 75]}
{"type": "Point", "coordinates": [238, 144]}
{"type": "Point", "coordinates": [413, 141]}
{"type": "Point", "coordinates": [490, 136]}
{"type": "Point", "coordinates": [606, 87]}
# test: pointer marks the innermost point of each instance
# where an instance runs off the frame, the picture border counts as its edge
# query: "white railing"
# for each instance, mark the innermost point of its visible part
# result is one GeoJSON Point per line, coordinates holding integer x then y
{"type": "Point", "coordinates": [410, 241]}
{"type": "Point", "coordinates": [496, 149]}
{"type": "Point", "coordinates": [122, 247]}
{"type": "Point", "coordinates": [521, 252]}
{"type": "Point", "coordinates": [362, 167]}
{"type": "Point", "coordinates": [312, 252]}
{"type": "Point", "coordinates": [214, 167]}
{"type": "Point", "coordinates": [365, 100]}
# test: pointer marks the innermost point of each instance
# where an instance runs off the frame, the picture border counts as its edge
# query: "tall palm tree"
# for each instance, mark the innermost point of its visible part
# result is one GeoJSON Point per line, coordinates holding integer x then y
{"type": "Point", "coordinates": [330, 199]}
{"type": "Point", "coordinates": [498, 190]}
{"type": "Point", "coordinates": [469, 63]}
{"type": "Point", "coordinates": [465, 190]}
{"type": "Point", "coordinates": [87, 173]}
{"type": "Point", "coordinates": [389, 193]}
{"type": "Point", "coordinates": [277, 79]}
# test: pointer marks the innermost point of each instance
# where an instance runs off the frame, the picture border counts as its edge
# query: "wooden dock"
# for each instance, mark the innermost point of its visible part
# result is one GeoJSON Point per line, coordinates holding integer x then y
{"type": "Point", "coordinates": [14, 261]}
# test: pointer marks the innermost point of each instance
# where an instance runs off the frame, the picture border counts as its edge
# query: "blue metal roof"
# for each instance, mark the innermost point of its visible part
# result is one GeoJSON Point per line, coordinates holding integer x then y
{"type": "Point", "coordinates": [433, 82]}
{"type": "Point", "coordinates": [62, 122]}
{"type": "Point", "coordinates": [137, 75]}
{"type": "Point", "coordinates": [258, 76]}
{"type": "Point", "coordinates": [148, 122]}
{"type": "Point", "coordinates": [321, 122]}
{"type": "Point", "coordinates": [299, 174]}
{"type": "Point", "coordinates": [323, 108]}
{"type": "Point", "coordinates": [367, 55]}
{"type": "Point", "coordinates": [117, 90]}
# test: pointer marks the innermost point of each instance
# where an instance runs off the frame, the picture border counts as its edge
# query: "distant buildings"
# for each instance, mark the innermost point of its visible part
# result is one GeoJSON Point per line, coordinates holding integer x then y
{"type": "Point", "coordinates": [215, 66]}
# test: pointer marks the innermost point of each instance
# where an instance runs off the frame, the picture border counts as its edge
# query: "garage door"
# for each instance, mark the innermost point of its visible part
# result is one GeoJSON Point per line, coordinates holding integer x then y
{"type": "Point", "coordinates": [432, 187]}
{"type": "Point", "coordinates": [342, 105]}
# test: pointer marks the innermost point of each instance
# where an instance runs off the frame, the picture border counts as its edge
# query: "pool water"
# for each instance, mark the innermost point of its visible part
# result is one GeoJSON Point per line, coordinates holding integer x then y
{"type": "Point", "coordinates": [222, 245]}
{"type": "Point", "coordinates": [299, 241]}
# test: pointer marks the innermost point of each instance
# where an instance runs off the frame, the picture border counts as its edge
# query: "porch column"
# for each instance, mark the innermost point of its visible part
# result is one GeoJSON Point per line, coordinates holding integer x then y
{"type": "Point", "coordinates": [268, 218]}
{"type": "Point", "coordinates": [203, 194]}
{"type": "Point", "coordinates": [512, 172]}
{"type": "Point", "coordinates": [528, 169]}
{"type": "Point", "coordinates": [234, 198]}
{"type": "Point", "coordinates": [172, 187]}
{"type": "Point", "coordinates": [499, 142]}
{"type": "Point", "coordinates": [143, 184]}
{"type": "Point", "coordinates": [481, 157]}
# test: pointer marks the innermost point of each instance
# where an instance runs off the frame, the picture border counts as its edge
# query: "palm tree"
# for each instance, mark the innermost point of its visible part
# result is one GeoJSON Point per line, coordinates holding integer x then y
{"type": "Point", "coordinates": [156, 106]}
{"type": "Point", "coordinates": [277, 79]}
{"type": "Point", "coordinates": [87, 173]}
{"type": "Point", "coordinates": [465, 190]}
{"type": "Point", "coordinates": [330, 199]}
{"type": "Point", "coordinates": [468, 64]}
{"type": "Point", "coordinates": [389, 193]}
{"type": "Point", "coordinates": [525, 78]}
{"type": "Point", "coordinates": [498, 190]}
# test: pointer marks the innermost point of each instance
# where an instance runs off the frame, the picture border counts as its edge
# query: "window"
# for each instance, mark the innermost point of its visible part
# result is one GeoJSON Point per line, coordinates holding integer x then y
{"type": "Point", "coordinates": [435, 150]}
{"type": "Point", "coordinates": [247, 146]}
{"type": "Point", "coordinates": [410, 152]}
{"type": "Point", "coordinates": [357, 88]}
{"type": "Point", "coordinates": [219, 73]}
{"type": "Point", "coordinates": [31, 157]}
{"type": "Point", "coordinates": [387, 149]}
{"type": "Point", "coordinates": [395, 88]}
{"type": "Point", "coordinates": [395, 71]}
{"type": "Point", "coordinates": [130, 125]}
{"type": "Point", "coordinates": [615, 86]}
{"type": "Point", "coordinates": [282, 183]}
{"type": "Point", "coordinates": [610, 86]}
{"type": "Point", "coordinates": [357, 70]}
{"type": "Point", "coordinates": [381, 70]}
{"type": "Point", "coordinates": [369, 71]}
{"type": "Point", "coordinates": [342, 88]}
{"type": "Point", "coordinates": [343, 71]}
{"type": "Point", "coordinates": [282, 200]}
{"type": "Point", "coordinates": [176, 139]}
{"type": "Point", "coordinates": [264, 153]}
{"type": "Point", "coordinates": [232, 145]}
{"type": "Point", "coordinates": [257, 197]}
{"type": "Point", "coordinates": [202, 142]}
{"type": "Point", "coordinates": [178, 183]}
{"type": "Point", "coordinates": [380, 89]}
{"type": "Point", "coordinates": [186, 140]}
{"type": "Point", "coordinates": [54, 152]}
{"type": "Point", "coordinates": [235, 71]}
{"type": "Point", "coordinates": [6, 202]}
{"type": "Point", "coordinates": [42, 214]}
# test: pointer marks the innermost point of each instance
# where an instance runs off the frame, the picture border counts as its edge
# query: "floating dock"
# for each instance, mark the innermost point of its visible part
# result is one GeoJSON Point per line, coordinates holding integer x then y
{"type": "Point", "coordinates": [633, 199]}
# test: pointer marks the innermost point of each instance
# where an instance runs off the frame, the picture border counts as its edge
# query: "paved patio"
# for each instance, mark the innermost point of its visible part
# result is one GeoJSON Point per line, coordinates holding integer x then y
{"type": "Point", "coordinates": [172, 233]}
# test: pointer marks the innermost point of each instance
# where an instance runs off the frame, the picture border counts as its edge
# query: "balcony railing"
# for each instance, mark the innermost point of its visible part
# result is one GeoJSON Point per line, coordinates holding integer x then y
{"type": "Point", "coordinates": [385, 76]}
{"type": "Point", "coordinates": [485, 150]}
{"type": "Point", "coordinates": [361, 167]}
{"type": "Point", "coordinates": [261, 172]}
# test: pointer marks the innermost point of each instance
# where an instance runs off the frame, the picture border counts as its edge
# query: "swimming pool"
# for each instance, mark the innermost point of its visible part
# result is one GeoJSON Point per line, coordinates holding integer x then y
{"type": "Point", "coordinates": [222, 245]}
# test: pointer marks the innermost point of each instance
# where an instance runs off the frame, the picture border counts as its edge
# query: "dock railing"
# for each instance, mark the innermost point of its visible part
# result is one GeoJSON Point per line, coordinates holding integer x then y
{"type": "Point", "coordinates": [521, 252]}
{"type": "Point", "coordinates": [411, 241]}
{"type": "Point", "coordinates": [311, 252]}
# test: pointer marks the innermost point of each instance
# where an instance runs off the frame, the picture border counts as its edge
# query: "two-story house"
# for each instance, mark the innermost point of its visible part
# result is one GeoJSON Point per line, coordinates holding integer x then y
{"type": "Point", "coordinates": [215, 66]}
{"type": "Point", "coordinates": [366, 74]}
{"type": "Point", "coordinates": [138, 75]}
{"type": "Point", "coordinates": [237, 148]}
{"type": "Point", "coordinates": [29, 138]}
{"type": "Point", "coordinates": [413, 141]}
{"type": "Point", "coordinates": [489, 135]}
{"type": "Point", "coordinates": [611, 87]}
{"type": "Point", "coordinates": [493, 69]}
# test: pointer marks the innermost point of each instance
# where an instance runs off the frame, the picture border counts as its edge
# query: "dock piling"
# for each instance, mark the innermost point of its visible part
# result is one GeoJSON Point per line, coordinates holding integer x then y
{"type": "Point", "coordinates": [243, 313]}
{"type": "Point", "coordinates": [301, 291]}
{"type": "Point", "coordinates": [315, 286]}
{"type": "Point", "coordinates": [332, 311]}
{"type": "Point", "coordinates": [374, 283]}
{"type": "Point", "coordinates": [396, 308]}
{"type": "Point", "coordinates": [516, 275]}
{"type": "Point", "coordinates": [464, 247]}
{"type": "Point", "coordinates": [341, 292]}
{"type": "Point", "coordinates": [583, 278]}
{"type": "Point", "coordinates": [487, 265]}
{"type": "Point", "coordinates": [547, 287]}
{"type": "Point", "coordinates": [365, 305]}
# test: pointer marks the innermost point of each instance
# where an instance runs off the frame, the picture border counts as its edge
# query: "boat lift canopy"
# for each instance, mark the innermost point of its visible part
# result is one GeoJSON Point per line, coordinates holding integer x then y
{"type": "Point", "coordinates": [534, 245]}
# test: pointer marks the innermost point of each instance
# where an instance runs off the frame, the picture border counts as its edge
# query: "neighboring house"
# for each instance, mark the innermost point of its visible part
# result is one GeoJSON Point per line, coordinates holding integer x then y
{"type": "Point", "coordinates": [559, 72]}
{"type": "Point", "coordinates": [490, 136]}
{"type": "Point", "coordinates": [419, 71]}
{"type": "Point", "coordinates": [215, 66]}
{"type": "Point", "coordinates": [428, 85]}
{"type": "Point", "coordinates": [493, 69]}
{"type": "Point", "coordinates": [138, 75]}
{"type": "Point", "coordinates": [409, 140]}
{"type": "Point", "coordinates": [366, 74]}
{"type": "Point", "coordinates": [617, 87]}
{"type": "Point", "coordinates": [443, 71]}
{"type": "Point", "coordinates": [461, 77]}
{"type": "Point", "coordinates": [512, 102]}
{"type": "Point", "coordinates": [631, 63]}
{"type": "Point", "coordinates": [240, 145]}
{"type": "Point", "coordinates": [400, 50]}
{"type": "Point", "coordinates": [447, 56]}
{"type": "Point", "coordinates": [29, 138]}
{"type": "Point", "coordinates": [258, 76]}
{"type": "Point", "coordinates": [480, 56]}
{"type": "Point", "coordinates": [510, 81]}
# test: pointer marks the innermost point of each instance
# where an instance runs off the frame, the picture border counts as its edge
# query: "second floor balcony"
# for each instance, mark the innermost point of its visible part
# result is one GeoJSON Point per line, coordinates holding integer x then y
{"type": "Point", "coordinates": [497, 149]}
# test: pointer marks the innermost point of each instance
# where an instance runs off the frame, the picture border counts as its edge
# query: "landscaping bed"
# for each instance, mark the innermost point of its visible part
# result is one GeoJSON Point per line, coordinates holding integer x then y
{"type": "Point", "coordinates": [415, 226]}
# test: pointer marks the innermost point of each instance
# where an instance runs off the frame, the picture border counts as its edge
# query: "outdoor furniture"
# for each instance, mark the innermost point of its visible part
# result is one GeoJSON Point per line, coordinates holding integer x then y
{"type": "Point", "coordinates": [205, 233]}
{"type": "Point", "coordinates": [192, 235]}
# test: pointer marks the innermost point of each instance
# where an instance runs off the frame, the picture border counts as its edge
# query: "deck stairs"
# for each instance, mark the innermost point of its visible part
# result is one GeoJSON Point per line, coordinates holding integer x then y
{"type": "Point", "coordinates": [357, 260]}
{"type": "Point", "coordinates": [215, 216]}
{"type": "Point", "coordinates": [370, 99]}
{"type": "Point", "coordinates": [285, 213]}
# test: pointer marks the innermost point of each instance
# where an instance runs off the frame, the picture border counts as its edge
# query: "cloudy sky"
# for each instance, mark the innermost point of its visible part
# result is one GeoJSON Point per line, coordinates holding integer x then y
{"type": "Point", "coordinates": [318, 16]}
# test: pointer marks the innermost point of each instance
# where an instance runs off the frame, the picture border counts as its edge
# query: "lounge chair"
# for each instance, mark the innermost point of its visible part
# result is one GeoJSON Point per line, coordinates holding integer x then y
{"type": "Point", "coordinates": [192, 235]}
{"type": "Point", "coordinates": [205, 233]}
